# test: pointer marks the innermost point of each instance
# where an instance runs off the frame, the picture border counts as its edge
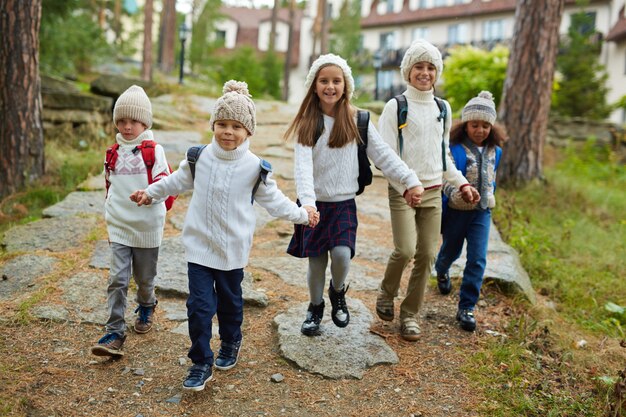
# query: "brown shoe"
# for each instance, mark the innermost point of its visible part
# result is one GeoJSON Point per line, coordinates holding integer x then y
{"type": "Point", "coordinates": [109, 345]}
{"type": "Point", "coordinates": [410, 330]}
{"type": "Point", "coordinates": [384, 306]}
{"type": "Point", "coordinates": [145, 319]}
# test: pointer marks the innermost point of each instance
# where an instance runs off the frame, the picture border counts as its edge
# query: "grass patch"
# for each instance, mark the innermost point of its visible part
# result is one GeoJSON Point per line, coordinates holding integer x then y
{"type": "Point", "coordinates": [569, 232]}
{"type": "Point", "coordinates": [66, 167]}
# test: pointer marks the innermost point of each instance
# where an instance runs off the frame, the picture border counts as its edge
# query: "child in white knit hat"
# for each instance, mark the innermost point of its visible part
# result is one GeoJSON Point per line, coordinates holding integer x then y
{"type": "Point", "coordinates": [326, 174]}
{"type": "Point", "coordinates": [422, 144]}
{"type": "Point", "coordinates": [219, 226]}
{"type": "Point", "coordinates": [135, 233]}
{"type": "Point", "coordinates": [475, 147]}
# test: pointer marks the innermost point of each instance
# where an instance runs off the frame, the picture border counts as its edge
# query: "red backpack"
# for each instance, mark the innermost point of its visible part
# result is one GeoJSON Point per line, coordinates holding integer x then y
{"type": "Point", "coordinates": [147, 152]}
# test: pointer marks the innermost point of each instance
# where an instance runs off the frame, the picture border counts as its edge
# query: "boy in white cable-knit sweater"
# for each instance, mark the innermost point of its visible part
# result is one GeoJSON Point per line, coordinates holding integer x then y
{"type": "Point", "coordinates": [219, 227]}
{"type": "Point", "coordinates": [416, 229]}
{"type": "Point", "coordinates": [135, 233]}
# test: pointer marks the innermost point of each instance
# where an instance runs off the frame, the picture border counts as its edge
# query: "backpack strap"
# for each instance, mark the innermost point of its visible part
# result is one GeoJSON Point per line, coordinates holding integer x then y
{"type": "Point", "coordinates": [319, 129]}
{"type": "Point", "coordinates": [403, 109]}
{"type": "Point", "coordinates": [193, 154]}
{"type": "Point", "coordinates": [443, 112]}
{"type": "Point", "coordinates": [109, 164]}
{"type": "Point", "coordinates": [266, 168]}
{"type": "Point", "coordinates": [495, 167]}
{"type": "Point", "coordinates": [362, 122]}
{"type": "Point", "coordinates": [147, 153]}
{"type": "Point", "coordinates": [365, 172]}
{"type": "Point", "coordinates": [460, 157]}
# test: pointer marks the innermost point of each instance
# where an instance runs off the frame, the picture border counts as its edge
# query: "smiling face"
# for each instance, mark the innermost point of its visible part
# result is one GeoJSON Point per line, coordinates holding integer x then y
{"type": "Point", "coordinates": [229, 134]}
{"type": "Point", "coordinates": [330, 86]}
{"type": "Point", "coordinates": [130, 128]}
{"type": "Point", "coordinates": [423, 76]}
{"type": "Point", "coordinates": [477, 131]}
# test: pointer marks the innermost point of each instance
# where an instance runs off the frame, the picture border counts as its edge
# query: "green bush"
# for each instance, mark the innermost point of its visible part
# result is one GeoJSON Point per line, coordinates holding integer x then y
{"type": "Point", "coordinates": [469, 70]}
{"type": "Point", "coordinates": [261, 74]}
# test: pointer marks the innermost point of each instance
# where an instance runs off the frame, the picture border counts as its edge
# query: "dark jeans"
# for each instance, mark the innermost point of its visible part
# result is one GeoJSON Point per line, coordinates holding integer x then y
{"type": "Point", "coordinates": [211, 291]}
{"type": "Point", "coordinates": [458, 226]}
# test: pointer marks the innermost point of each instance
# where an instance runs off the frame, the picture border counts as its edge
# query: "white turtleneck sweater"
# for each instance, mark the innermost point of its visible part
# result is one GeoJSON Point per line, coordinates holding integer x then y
{"type": "Point", "coordinates": [127, 224]}
{"type": "Point", "coordinates": [220, 220]}
{"type": "Point", "coordinates": [331, 174]}
{"type": "Point", "coordinates": [421, 138]}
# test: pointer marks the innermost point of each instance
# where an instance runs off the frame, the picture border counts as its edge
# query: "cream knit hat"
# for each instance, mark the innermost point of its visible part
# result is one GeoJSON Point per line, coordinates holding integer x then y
{"type": "Point", "coordinates": [331, 59]}
{"type": "Point", "coordinates": [235, 104]}
{"type": "Point", "coordinates": [421, 51]}
{"type": "Point", "coordinates": [133, 104]}
{"type": "Point", "coordinates": [481, 107]}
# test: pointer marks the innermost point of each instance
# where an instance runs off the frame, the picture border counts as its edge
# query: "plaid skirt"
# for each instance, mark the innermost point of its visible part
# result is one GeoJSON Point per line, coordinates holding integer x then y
{"type": "Point", "coordinates": [337, 227]}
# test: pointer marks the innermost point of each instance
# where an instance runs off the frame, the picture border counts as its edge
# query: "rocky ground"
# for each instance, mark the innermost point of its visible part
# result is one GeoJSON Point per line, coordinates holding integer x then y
{"type": "Point", "coordinates": [53, 306]}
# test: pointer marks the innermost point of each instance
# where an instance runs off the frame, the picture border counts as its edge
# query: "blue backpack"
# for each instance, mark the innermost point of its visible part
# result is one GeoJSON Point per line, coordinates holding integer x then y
{"type": "Point", "coordinates": [194, 152]}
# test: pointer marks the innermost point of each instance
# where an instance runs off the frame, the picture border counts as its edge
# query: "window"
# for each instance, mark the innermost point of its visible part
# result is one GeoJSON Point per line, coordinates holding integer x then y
{"type": "Point", "coordinates": [440, 3]}
{"type": "Point", "coordinates": [220, 37]}
{"type": "Point", "coordinates": [493, 30]}
{"type": "Point", "coordinates": [457, 33]}
{"type": "Point", "coordinates": [386, 41]}
{"type": "Point", "coordinates": [588, 24]}
{"type": "Point", "coordinates": [420, 33]}
{"type": "Point", "coordinates": [389, 6]}
{"type": "Point", "coordinates": [459, 1]}
{"type": "Point", "coordinates": [423, 4]}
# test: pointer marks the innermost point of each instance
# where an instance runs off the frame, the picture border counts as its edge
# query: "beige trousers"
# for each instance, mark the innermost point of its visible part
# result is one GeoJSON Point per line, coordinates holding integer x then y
{"type": "Point", "coordinates": [415, 235]}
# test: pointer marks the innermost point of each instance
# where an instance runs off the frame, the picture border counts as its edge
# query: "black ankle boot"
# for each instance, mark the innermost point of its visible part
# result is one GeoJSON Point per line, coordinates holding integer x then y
{"type": "Point", "coordinates": [314, 314]}
{"type": "Point", "coordinates": [338, 302]}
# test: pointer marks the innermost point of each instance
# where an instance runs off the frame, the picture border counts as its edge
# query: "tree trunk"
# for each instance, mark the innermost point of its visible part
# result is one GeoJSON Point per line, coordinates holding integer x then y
{"type": "Point", "coordinates": [117, 21]}
{"type": "Point", "coordinates": [324, 29]}
{"type": "Point", "coordinates": [272, 41]}
{"type": "Point", "coordinates": [528, 88]}
{"type": "Point", "coordinates": [146, 66]}
{"type": "Point", "coordinates": [21, 130]}
{"type": "Point", "coordinates": [292, 14]}
{"type": "Point", "coordinates": [168, 36]}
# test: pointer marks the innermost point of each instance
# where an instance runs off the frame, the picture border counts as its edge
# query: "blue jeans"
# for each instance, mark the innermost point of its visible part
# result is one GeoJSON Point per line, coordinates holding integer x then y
{"type": "Point", "coordinates": [213, 291]}
{"type": "Point", "coordinates": [473, 226]}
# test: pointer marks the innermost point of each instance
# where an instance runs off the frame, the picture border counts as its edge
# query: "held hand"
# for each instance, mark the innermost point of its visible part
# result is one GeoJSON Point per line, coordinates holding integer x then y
{"type": "Point", "coordinates": [413, 196]}
{"type": "Point", "coordinates": [141, 198]}
{"type": "Point", "coordinates": [470, 195]}
{"type": "Point", "coordinates": [314, 215]}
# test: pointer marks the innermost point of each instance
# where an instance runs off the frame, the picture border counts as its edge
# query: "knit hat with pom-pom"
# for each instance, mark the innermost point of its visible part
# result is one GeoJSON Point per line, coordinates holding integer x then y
{"type": "Point", "coordinates": [481, 107]}
{"type": "Point", "coordinates": [421, 51]}
{"type": "Point", "coordinates": [235, 104]}
{"type": "Point", "coordinates": [133, 104]}
{"type": "Point", "coordinates": [331, 59]}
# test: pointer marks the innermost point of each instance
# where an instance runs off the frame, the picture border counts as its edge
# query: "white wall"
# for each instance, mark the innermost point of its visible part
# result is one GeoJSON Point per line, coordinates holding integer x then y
{"type": "Point", "coordinates": [282, 36]}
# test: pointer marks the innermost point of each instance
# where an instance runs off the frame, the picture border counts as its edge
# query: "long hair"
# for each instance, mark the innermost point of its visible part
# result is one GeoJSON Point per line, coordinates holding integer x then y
{"type": "Point", "coordinates": [497, 136]}
{"type": "Point", "coordinates": [304, 125]}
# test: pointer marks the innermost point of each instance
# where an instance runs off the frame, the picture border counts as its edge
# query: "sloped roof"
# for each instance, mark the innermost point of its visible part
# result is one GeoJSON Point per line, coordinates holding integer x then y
{"type": "Point", "coordinates": [248, 18]}
{"type": "Point", "coordinates": [618, 31]}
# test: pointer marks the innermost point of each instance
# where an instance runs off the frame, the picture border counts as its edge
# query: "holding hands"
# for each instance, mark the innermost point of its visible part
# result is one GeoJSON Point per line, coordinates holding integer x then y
{"type": "Point", "coordinates": [141, 198]}
{"type": "Point", "coordinates": [314, 215]}
{"type": "Point", "coordinates": [470, 194]}
{"type": "Point", "coordinates": [413, 196]}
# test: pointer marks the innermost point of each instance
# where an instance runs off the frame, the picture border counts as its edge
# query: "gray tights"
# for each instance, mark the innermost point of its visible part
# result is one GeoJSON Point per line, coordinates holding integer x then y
{"type": "Point", "coordinates": [339, 267]}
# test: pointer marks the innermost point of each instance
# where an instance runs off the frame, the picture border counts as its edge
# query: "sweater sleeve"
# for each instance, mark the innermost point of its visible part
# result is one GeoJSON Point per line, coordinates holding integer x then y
{"type": "Point", "coordinates": [399, 175]}
{"type": "Point", "coordinates": [174, 184]}
{"type": "Point", "coordinates": [451, 175]}
{"type": "Point", "coordinates": [277, 204]}
{"type": "Point", "coordinates": [303, 170]}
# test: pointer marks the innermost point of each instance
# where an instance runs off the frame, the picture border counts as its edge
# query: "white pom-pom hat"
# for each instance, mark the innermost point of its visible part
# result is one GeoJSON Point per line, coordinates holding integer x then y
{"type": "Point", "coordinates": [235, 104]}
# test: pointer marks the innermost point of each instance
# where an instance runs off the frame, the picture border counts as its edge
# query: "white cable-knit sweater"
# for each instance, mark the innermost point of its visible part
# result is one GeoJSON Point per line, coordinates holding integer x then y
{"type": "Point", "coordinates": [421, 138]}
{"type": "Point", "coordinates": [220, 220]}
{"type": "Point", "coordinates": [331, 174]}
{"type": "Point", "coordinates": [127, 224]}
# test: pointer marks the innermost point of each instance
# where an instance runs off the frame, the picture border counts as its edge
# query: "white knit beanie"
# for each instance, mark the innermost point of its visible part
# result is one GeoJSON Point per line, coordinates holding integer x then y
{"type": "Point", "coordinates": [133, 104]}
{"type": "Point", "coordinates": [421, 51]}
{"type": "Point", "coordinates": [235, 104]}
{"type": "Point", "coordinates": [481, 107]}
{"type": "Point", "coordinates": [331, 59]}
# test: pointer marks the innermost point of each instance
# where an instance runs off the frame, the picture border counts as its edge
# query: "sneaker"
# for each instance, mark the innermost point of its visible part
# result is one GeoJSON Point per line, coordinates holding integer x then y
{"type": "Point", "coordinates": [466, 319]}
{"type": "Point", "coordinates": [228, 355]}
{"type": "Point", "coordinates": [444, 284]}
{"type": "Point", "coordinates": [109, 345]}
{"type": "Point", "coordinates": [340, 313]}
{"type": "Point", "coordinates": [410, 330]}
{"type": "Point", "coordinates": [314, 314]}
{"type": "Point", "coordinates": [197, 377]}
{"type": "Point", "coordinates": [384, 306]}
{"type": "Point", "coordinates": [145, 319]}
